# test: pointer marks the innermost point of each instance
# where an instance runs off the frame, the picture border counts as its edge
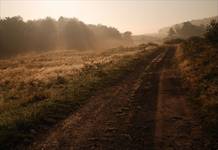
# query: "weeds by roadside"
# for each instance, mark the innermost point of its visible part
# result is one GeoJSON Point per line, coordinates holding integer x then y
{"type": "Point", "coordinates": [198, 61]}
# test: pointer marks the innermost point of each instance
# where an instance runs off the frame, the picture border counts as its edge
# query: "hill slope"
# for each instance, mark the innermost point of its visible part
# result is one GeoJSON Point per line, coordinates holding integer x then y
{"type": "Point", "coordinates": [189, 28]}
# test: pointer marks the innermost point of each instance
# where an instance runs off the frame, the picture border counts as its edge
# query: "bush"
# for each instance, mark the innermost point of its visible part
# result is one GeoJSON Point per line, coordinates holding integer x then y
{"type": "Point", "coordinates": [212, 32]}
{"type": "Point", "coordinates": [198, 65]}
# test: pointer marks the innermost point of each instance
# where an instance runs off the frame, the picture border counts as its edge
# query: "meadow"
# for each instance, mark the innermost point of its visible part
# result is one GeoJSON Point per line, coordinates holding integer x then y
{"type": "Point", "coordinates": [35, 77]}
{"type": "Point", "coordinates": [39, 89]}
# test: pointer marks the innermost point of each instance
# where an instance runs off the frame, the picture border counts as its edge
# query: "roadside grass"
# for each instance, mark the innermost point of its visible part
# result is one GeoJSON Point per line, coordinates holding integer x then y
{"type": "Point", "coordinates": [24, 121]}
{"type": "Point", "coordinates": [198, 61]}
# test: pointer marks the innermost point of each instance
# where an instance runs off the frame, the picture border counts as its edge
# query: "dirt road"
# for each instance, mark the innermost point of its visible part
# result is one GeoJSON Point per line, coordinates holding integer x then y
{"type": "Point", "coordinates": [146, 110]}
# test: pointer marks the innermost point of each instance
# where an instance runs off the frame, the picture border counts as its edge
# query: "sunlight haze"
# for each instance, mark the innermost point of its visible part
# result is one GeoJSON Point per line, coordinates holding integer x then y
{"type": "Point", "coordinates": [140, 16]}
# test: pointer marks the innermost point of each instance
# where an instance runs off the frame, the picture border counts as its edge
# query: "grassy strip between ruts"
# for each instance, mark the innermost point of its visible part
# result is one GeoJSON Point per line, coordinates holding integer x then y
{"type": "Point", "coordinates": [19, 126]}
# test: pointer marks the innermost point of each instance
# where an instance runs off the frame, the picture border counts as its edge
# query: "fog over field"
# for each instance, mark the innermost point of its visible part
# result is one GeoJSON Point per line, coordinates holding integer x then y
{"type": "Point", "coordinates": [108, 74]}
{"type": "Point", "coordinates": [92, 25]}
{"type": "Point", "coordinates": [18, 36]}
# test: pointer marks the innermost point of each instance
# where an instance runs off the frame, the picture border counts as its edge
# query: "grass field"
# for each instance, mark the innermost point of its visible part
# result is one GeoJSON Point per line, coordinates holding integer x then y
{"type": "Point", "coordinates": [37, 77]}
{"type": "Point", "coordinates": [37, 90]}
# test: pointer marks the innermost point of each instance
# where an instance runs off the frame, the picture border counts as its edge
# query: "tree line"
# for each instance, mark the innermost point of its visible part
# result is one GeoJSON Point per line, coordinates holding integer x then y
{"type": "Point", "coordinates": [186, 30]}
{"type": "Point", "coordinates": [17, 36]}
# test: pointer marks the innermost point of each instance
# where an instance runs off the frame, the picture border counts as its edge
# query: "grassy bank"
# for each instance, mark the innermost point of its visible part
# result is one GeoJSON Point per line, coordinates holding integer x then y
{"type": "Point", "coordinates": [22, 120]}
{"type": "Point", "coordinates": [198, 61]}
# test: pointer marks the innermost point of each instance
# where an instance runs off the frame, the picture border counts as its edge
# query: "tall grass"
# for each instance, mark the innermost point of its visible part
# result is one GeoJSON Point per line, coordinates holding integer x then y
{"type": "Point", "coordinates": [198, 61]}
{"type": "Point", "coordinates": [30, 104]}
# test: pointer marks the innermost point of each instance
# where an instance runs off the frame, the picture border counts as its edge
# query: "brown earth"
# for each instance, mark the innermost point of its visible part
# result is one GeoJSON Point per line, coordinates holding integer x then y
{"type": "Point", "coordinates": [146, 110]}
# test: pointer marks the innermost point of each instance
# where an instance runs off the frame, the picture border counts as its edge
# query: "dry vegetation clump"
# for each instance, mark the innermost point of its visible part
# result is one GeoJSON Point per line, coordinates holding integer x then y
{"type": "Point", "coordinates": [37, 90]}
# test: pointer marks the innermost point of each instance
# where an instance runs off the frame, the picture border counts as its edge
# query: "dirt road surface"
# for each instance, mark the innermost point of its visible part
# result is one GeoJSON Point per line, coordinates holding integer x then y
{"type": "Point", "coordinates": [146, 110]}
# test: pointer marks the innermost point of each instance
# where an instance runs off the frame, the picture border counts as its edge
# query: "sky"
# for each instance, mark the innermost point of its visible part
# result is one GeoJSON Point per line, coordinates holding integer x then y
{"type": "Point", "coordinates": [137, 16]}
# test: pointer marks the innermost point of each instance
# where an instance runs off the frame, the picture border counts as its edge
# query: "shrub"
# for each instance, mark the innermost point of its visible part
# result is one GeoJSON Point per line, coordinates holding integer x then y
{"type": "Point", "coordinates": [212, 32]}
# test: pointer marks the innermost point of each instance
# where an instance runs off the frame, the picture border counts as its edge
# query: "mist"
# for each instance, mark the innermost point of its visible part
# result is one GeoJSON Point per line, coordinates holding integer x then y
{"type": "Point", "coordinates": [18, 36]}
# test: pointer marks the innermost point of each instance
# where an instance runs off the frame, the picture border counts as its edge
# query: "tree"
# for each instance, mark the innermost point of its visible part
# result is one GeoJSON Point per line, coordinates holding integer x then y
{"type": "Point", "coordinates": [127, 37]}
{"type": "Point", "coordinates": [17, 36]}
{"type": "Point", "coordinates": [171, 33]}
{"type": "Point", "coordinates": [212, 32]}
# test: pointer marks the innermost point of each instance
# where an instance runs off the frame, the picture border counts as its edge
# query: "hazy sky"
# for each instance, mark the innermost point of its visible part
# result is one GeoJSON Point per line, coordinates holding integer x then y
{"type": "Point", "coordinates": [138, 16]}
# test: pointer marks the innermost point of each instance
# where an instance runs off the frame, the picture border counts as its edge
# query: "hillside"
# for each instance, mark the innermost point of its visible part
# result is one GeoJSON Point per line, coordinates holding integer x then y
{"type": "Point", "coordinates": [189, 28]}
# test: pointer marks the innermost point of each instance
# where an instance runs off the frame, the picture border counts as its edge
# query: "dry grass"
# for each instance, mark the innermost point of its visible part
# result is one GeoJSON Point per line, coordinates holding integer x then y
{"type": "Point", "coordinates": [198, 63]}
{"type": "Point", "coordinates": [35, 76]}
{"type": "Point", "coordinates": [37, 90]}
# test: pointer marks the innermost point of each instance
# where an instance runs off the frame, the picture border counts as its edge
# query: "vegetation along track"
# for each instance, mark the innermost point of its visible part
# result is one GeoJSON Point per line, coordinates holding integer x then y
{"type": "Point", "coordinates": [145, 110]}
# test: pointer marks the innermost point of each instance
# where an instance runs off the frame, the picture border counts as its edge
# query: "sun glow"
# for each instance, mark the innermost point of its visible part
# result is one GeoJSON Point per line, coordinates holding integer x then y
{"type": "Point", "coordinates": [140, 16]}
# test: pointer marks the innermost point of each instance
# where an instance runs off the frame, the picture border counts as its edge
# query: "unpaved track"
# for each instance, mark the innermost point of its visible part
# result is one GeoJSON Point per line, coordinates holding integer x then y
{"type": "Point", "coordinates": [147, 110]}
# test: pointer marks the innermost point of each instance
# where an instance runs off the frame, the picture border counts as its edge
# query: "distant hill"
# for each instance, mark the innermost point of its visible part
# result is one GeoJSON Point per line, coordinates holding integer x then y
{"type": "Point", "coordinates": [146, 38]}
{"type": "Point", "coordinates": [187, 29]}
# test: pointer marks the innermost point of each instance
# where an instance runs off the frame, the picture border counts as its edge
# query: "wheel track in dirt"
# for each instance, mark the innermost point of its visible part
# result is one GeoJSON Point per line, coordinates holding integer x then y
{"type": "Point", "coordinates": [124, 116]}
{"type": "Point", "coordinates": [102, 112]}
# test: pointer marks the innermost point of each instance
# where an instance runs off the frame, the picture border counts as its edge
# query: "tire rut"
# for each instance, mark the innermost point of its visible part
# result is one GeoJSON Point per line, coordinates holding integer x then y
{"type": "Point", "coordinates": [177, 126]}
{"type": "Point", "coordinates": [130, 115]}
{"type": "Point", "coordinates": [143, 121]}
{"type": "Point", "coordinates": [103, 122]}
